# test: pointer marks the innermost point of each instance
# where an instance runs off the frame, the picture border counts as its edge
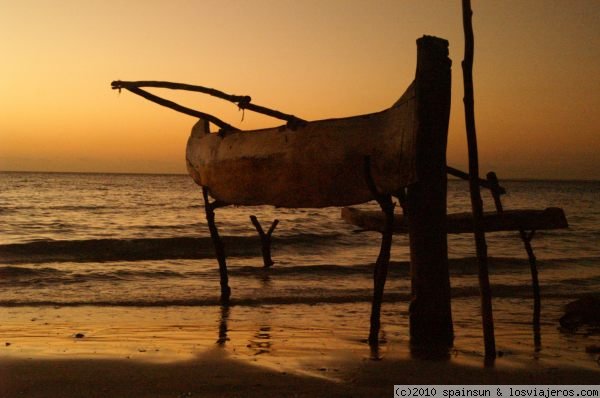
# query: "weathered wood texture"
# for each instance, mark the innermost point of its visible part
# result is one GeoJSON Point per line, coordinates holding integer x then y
{"type": "Point", "coordinates": [316, 165]}
{"type": "Point", "coordinates": [462, 223]}
{"type": "Point", "coordinates": [430, 312]}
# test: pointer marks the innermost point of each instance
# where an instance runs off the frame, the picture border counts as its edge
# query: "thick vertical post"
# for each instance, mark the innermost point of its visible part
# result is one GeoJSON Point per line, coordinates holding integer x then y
{"type": "Point", "coordinates": [430, 309]}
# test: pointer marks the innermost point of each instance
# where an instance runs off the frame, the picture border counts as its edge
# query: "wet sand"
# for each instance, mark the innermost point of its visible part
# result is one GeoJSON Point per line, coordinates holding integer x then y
{"type": "Point", "coordinates": [216, 374]}
{"type": "Point", "coordinates": [295, 350]}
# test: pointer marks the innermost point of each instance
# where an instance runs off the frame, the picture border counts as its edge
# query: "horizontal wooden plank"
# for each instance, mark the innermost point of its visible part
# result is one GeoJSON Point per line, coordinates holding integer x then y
{"type": "Point", "coordinates": [460, 223]}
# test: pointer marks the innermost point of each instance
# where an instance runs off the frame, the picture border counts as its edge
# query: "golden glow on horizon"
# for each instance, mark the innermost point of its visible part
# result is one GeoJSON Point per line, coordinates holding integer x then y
{"type": "Point", "coordinates": [536, 76]}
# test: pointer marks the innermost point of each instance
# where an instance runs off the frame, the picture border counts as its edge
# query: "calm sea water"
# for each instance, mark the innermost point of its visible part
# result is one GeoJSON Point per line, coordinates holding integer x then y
{"type": "Point", "coordinates": [142, 240]}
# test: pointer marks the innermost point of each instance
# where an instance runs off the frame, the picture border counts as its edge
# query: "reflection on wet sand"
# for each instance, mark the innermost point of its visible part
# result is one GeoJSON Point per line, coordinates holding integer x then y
{"type": "Point", "coordinates": [261, 343]}
{"type": "Point", "coordinates": [323, 341]}
{"type": "Point", "coordinates": [376, 354]}
{"type": "Point", "coordinates": [223, 326]}
{"type": "Point", "coordinates": [265, 278]}
{"type": "Point", "coordinates": [537, 336]}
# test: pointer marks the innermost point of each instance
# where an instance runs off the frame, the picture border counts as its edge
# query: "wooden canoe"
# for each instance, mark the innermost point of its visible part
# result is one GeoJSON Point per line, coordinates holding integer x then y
{"type": "Point", "coordinates": [322, 163]}
{"type": "Point", "coordinates": [318, 164]}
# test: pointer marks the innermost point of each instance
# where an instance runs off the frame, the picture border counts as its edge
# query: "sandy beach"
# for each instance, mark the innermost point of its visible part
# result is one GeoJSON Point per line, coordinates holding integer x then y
{"type": "Point", "coordinates": [248, 352]}
{"type": "Point", "coordinates": [216, 374]}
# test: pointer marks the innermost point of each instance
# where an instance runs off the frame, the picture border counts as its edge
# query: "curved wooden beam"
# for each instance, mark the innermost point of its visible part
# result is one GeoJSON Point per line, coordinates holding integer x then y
{"type": "Point", "coordinates": [242, 101]}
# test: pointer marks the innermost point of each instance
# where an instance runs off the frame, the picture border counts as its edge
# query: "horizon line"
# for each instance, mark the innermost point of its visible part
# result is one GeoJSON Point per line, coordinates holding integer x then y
{"type": "Point", "coordinates": [452, 178]}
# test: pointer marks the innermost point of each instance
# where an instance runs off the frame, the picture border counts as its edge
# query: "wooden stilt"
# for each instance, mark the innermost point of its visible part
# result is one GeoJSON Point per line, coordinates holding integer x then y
{"type": "Point", "coordinates": [465, 176]}
{"type": "Point", "coordinates": [383, 260]}
{"type": "Point", "coordinates": [265, 240]}
{"type": "Point", "coordinates": [496, 191]}
{"type": "Point", "coordinates": [401, 195]}
{"type": "Point", "coordinates": [537, 301]}
{"type": "Point", "coordinates": [476, 203]}
{"type": "Point", "coordinates": [218, 243]}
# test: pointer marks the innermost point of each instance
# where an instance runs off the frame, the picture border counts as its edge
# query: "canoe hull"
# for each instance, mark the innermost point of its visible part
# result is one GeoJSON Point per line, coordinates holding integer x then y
{"type": "Point", "coordinates": [316, 165]}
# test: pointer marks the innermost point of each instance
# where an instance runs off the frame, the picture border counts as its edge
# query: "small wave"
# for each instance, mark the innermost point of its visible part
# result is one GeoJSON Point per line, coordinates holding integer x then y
{"type": "Point", "coordinates": [470, 264]}
{"type": "Point", "coordinates": [121, 249]}
{"type": "Point", "coordinates": [299, 239]}
{"type": "Point", "coordinates": [11, 277]}
{"type": "Point", "coordinates": [583, 282]}
{"type": "Point", "coordinates": [159, 227]}
{"type": "Point", "coordinates": [148, 274]}
{"type": "Point", "coordinates": [120, 275]}
{"type": "Point", "coordinates": [78, 207]}
{"type": "Point", "coordinates": [144, 248]}
{"type": "Point", "coordinates": [395, 269]}
{"type": "Point", "coordinates": [210, 301]}
{"type": "Point", "coordinates": [20, 272]}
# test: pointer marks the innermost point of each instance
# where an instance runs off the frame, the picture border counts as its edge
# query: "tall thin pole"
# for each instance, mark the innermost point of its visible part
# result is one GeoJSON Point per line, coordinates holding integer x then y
{"type": "Point", "coordinates": [476, 203]}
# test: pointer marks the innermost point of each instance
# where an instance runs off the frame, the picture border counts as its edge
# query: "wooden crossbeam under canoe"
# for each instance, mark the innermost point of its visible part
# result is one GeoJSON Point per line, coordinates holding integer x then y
{"type": "Point", "coordinates": [460, 223]}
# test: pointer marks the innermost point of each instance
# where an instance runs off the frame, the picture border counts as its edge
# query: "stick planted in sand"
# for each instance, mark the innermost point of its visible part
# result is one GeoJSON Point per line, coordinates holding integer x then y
{"type": "Point", "coordinates": [265, 240]}
{"type": "Point", "coordinates": [476, 202]}
{"type": "Point", "coordinates": [218, 243]}
{"type": "Point", "coordinates": [383, 260]}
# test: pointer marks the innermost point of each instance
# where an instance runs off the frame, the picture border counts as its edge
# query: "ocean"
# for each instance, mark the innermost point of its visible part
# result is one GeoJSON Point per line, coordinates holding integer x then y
{"type": "Point", "coordinates": [135, 242]}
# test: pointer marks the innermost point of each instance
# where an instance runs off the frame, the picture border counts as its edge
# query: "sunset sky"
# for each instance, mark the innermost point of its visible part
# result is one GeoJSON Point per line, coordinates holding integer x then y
{"type": "Point", "coordinates": [537, 76]}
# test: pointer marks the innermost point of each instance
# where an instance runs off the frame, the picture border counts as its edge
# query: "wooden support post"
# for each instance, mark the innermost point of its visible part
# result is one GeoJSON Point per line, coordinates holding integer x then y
{"type": "Point", "coordinates": [383, 260]}
{"type": "Point", "coordinates": [462, 223]}
{"type": "Point", "coordinates": [218, 243]}
{"type": "Point", "coordinates": [401, 195]}
{"type": "Point", "coordinates": [537, 301]}
{"type": "Point", "coordinates": [430, 308]}
{"type": "Point", "coordinates": [476, 203]}
{"type": "Point", "coordinates": [265, 240]}
{"type": "Point", "coordinates": [496, 190]}
{"type": "Point", "coordinates": [465, 176]}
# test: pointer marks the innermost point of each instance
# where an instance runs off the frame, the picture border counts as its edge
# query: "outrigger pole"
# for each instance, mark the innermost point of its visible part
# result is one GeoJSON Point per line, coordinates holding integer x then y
{"type": "Point", "coordinates": [242, 101]}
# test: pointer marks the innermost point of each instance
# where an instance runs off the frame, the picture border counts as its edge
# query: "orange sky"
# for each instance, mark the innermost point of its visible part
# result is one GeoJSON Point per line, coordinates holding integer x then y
{"type": "Point", "coordinates": [537, 81]}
